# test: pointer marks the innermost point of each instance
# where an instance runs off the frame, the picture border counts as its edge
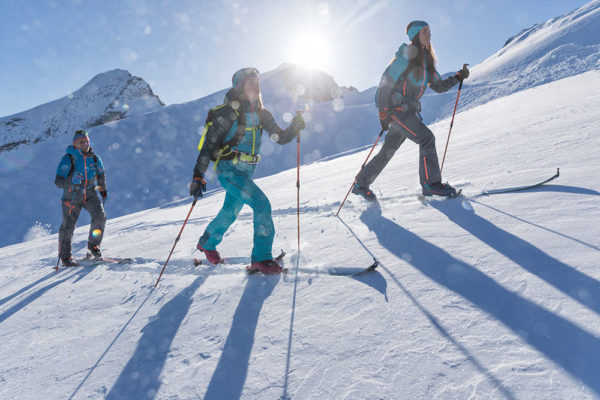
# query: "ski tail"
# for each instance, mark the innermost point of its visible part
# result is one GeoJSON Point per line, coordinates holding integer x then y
{"type": "Point", "coordinates": [519, 188]}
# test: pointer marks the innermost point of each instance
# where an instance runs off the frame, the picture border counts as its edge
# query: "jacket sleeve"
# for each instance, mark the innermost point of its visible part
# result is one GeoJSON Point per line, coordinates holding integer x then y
{"type": "Point", "coordinates": [275, 132]}
{"type": "Point", "coordinates": [222, 122]}
{"type": "Point", "coordinates": [442, 85]}
{"type": "Point", "coordinates": [62, 172]}
{"type": "Point", "coordinates": [101, 175]}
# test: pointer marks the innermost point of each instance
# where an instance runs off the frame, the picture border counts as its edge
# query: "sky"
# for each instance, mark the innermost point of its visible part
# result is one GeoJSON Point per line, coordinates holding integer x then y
{"type": "Point", "coordinates": [187, 49]}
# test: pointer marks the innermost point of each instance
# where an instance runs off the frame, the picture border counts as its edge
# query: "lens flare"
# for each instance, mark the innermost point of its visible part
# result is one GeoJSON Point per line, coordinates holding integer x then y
{"type": "Point", "coordinates": [96, 232]}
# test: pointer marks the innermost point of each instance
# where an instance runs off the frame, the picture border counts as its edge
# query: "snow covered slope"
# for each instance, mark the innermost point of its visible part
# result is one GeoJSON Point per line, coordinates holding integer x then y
{"type": "Point", "coordinates": [107, 97]}
{"type": "Point", "coordinates": [561, 47]}
{"type": "Point", "coordinates": [485, 297]}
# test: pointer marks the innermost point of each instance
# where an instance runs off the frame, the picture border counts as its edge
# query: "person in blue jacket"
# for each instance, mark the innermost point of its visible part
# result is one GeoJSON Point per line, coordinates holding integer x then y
{"type": "Point", "coordinates": [232, 139]}
{"type": "Point", "coordinates": [77, 174]}
{"type": "Point", "coordinates": [398, 98]}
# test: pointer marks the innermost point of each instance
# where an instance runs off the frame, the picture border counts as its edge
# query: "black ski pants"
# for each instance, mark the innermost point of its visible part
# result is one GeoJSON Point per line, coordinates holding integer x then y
{"type": "Point", "coordinates": [405, 125]}
{"type": "Point", "coordinates": [71, 208]}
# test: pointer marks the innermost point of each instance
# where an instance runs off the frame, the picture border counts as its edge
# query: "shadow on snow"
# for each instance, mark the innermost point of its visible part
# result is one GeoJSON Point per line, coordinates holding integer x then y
{"type": "Point", "coordinates": [569, 346]}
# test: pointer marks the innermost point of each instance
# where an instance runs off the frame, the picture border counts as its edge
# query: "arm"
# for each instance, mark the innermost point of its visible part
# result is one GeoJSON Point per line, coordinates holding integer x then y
{"type": "Point", "coordinates": [222, 122]}
{"type": "Point", "coordinates": [439, 85]}
{"type": "Point", "coordinates": [62, 172]}
{"type": "Point", "coordinates": [100, 174]}
{"type": "Point", "coordinates": [277, 134]}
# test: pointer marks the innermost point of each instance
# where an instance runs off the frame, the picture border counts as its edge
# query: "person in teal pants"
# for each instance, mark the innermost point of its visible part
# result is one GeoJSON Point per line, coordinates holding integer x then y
{"type": "Point", "coordinates": [232, 140]}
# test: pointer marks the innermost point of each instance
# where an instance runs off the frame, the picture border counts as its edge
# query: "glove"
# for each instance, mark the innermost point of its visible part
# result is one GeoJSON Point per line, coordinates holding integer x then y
{"type": "Point", "coordinates": [104, 195]}
{"type": "Point", "coordinates": [384, 120]}
{"type": "Point", "coordinates": [463, 73]}
{"type": "Point", "coordinates": [298, 123]}
{"type": "Point", "coordinates": [197, 186]}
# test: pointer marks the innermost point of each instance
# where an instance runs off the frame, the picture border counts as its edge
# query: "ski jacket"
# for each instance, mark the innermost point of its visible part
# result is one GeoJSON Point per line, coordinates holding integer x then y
{"type": "Point", "coordinates": [401, 88]}
{"type": "Point", "coordinates": [79, 170]}
{"type": "Point", "coordinates": [225, 127]}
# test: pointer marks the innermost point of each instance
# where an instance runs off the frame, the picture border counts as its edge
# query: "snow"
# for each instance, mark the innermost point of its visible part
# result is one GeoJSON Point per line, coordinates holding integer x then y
{"type": "Point", "coordinates": [483, 297]}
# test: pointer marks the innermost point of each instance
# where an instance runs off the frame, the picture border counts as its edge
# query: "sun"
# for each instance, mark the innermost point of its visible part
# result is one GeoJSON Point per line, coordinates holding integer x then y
{"type": "Point", "coordinates": [311, 50]}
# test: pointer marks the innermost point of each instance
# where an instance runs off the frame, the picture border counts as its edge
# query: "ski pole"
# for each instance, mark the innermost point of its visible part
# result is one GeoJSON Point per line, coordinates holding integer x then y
{"type": "Point", "coordinates": [176, 240]}
{"type": "Point", "coordinates": [452, 121]}
{"type": "Point", "coordinates": [299, 113]}
{"type": "Point", "coordinates": [361, 168]}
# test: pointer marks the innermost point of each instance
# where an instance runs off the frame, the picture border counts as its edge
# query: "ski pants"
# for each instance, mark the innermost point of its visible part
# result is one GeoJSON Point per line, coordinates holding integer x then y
{"type": "Point", "coordinates": [70, 212]}
{"type": "Point", "coordinates": [240, 190]}
{"type": "Point", "coordinates": [405, 125]}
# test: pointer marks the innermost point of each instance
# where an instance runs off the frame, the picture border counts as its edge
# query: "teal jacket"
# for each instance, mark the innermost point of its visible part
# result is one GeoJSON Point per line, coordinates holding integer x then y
{"type": "Point", "coordinates": [78, 170]}
{"type": "Point", "coordinates": [403, 88]}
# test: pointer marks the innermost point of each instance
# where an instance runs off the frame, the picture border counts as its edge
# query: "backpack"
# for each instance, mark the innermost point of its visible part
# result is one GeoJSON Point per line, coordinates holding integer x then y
{"type": "Point", "coordinates": [223, 148]}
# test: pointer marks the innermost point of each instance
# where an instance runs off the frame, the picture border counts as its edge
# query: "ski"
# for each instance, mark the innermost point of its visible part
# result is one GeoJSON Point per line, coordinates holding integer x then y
{"type": "Point", "coordinates": [518, 188]}
{"type": "Point", "coordinates": [92, 262]}
{"type": "Point", "coordinates": [337, 271]}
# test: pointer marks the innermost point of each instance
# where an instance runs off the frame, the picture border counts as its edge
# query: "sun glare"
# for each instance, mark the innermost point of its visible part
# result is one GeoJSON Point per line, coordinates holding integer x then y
{"type": "Point", "coordinates": [311, 50]}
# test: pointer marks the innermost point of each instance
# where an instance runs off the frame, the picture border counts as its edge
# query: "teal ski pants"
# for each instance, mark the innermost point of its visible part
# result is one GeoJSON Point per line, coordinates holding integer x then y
{"type": "Point", "coordinates": [240, 190]}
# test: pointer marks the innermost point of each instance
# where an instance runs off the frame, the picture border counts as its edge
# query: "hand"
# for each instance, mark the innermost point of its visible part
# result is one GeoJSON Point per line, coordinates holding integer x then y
{"type": "Point", "coordinates": [384, 120]}
{"type": "Point", "coordinates": [197, 186]}
{"type": "Point", "coordinates": [463, 73]}
{"type": "Point", "coordinates": [298, 123]}
{"type": "Point", "coordinates": [104, 195]}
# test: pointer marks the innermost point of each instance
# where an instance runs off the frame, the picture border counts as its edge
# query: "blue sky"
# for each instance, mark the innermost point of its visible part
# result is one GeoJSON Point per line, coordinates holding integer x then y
{"type": "Point", "coordinates": [188, 49]}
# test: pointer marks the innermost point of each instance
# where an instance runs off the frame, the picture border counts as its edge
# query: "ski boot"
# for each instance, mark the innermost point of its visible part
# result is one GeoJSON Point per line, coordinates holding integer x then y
{"type": "Point", "coordinates": [439, 189]}
{"type": "Point", "coordinates": [212, 256]}
{"type": "Point", "coordinates": [95, 252]}
{"type": "Point", "coordinates": [365, 192]}
{"type": "Point", "coordinates": [267, 267]}
{"type": "Point", "coordinates": [68, 262]}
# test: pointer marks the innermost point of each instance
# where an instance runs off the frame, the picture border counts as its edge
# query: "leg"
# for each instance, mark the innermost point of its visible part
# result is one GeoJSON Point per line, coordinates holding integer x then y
{"type": "Point", "coordinates": [414, 129]}
{"type": "Point", "coordinates": [70, 213]}
{"type": "Point", "coordinates": [369, 173]}
{"type": "Point", "coordinates": [94, 206]}
{"type": "Point", "coordinates": [243, 188]}
{"type": "Point", "coordinates": [227, 215]}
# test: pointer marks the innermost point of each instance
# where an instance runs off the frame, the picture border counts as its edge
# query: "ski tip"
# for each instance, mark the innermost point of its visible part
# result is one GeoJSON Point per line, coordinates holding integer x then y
{"type": "Point", "coordinates": [197, 262]}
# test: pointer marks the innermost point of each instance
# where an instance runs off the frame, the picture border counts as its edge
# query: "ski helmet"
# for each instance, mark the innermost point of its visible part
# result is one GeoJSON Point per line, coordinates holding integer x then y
{"type": "Point", "coordinates": [242, 75]}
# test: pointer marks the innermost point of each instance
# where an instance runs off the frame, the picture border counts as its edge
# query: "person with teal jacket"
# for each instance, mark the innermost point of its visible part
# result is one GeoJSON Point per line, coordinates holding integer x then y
{"type": "Point", "coordinates": [232, 139]}
{"type": "Point", "coordinates": [79, 173]}
{"type": "Point", "coordinates": [398, 98]}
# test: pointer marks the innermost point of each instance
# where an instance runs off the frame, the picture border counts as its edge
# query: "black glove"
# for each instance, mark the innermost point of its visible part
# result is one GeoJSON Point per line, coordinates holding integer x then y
{"type": "Point", "coordinates": [104, 195]}
{"type": "Point", "coordinates": [384, 120]}
{"type": "Point", "coordinates": [197, 186]}
{"type": "Point", "coordinates": [463, 73]}
{"type": "Point", "coordinates": [298, 123]}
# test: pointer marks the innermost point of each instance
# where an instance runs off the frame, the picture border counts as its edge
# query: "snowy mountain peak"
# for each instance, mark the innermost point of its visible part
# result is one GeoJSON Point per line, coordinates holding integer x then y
{"type": "Point", "coordinates": [108, 96]}
{"type": "Point", "coordinates": [296, 81]}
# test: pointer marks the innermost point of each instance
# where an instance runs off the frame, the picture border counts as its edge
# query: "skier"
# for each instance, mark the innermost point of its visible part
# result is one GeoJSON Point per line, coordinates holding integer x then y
{"type": "Point", "coordinates": [232, 139]}
{"type": "Point", "coordinates": [77, 172]}
{"type": "Point", "coordinates": [403, 83]}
